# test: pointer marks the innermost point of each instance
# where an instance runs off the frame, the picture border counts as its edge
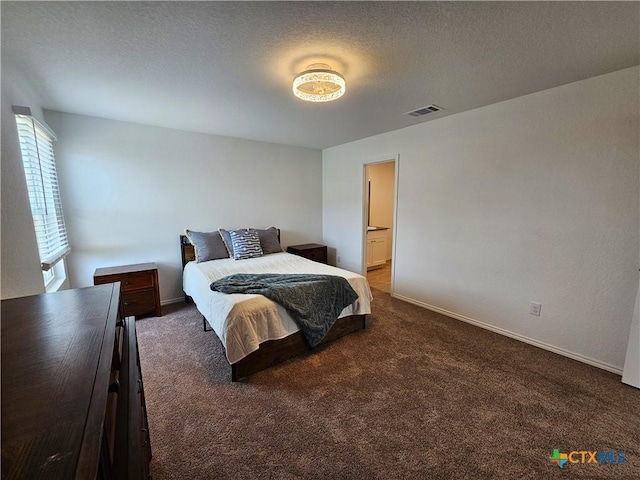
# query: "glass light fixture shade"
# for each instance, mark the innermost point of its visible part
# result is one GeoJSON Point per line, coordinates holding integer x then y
{"type": "Point", "coordinates": [319, 84]}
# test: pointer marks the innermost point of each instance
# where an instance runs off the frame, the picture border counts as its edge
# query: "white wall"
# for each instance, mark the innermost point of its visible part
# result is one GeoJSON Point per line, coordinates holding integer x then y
{"type": "Point", "coordinates": [532, 199]}
{"type": "Point", "coordinates": [631, 372]}
{"type": "Point", "coordinates": [21, 273]}
{"type": "Point", "coordinates": [130, 190]}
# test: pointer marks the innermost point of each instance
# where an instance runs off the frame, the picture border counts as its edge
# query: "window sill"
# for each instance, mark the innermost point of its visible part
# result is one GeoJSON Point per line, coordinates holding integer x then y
{"type": "Point", "coordinates": [55, 285]}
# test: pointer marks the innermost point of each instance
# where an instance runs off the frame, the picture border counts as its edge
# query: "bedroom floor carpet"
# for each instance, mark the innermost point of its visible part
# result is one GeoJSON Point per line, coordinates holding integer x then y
{"type": "Point", "coordinates": [416, 395]}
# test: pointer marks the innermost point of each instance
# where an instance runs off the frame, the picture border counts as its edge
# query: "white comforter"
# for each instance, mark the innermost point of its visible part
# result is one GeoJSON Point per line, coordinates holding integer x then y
{"type": "Point", "coordinates": [243, 321]}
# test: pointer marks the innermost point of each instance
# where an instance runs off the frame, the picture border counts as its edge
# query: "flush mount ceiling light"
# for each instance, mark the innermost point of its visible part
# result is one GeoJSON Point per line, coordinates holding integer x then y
{"type": "Point", "coordinates": [318, 83]}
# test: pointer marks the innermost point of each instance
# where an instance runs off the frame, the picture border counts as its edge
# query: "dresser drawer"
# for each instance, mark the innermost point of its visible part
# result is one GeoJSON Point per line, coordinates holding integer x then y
{"type": "Point", "coordinates": [377, 235]}
{"type": "Point", "coordinates": [138, 303]}
{"type": "Point", "coordinates": [138, 284]}
{"type": "Point", "coordinates": [132, 448]}
{"type": "Point", "coordinates": [130, 281]}
{"type": "Point", "coordinates": [136, 280]}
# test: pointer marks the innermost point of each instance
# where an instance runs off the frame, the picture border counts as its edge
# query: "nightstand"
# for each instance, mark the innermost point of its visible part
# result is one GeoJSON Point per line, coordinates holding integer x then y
{"type": "Point", "coordinates": [312, 251]}
{"type": "Point", "coordinates": [138, 285]}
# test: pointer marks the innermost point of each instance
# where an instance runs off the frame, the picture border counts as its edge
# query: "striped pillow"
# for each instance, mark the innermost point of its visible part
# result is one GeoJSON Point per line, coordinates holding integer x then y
{"type": "Point", "coordinates": [246, 244]}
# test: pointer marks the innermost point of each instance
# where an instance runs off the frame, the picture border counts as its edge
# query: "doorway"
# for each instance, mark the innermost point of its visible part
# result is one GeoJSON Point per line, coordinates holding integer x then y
{"type": "Point", "coordinates": [379, 213]}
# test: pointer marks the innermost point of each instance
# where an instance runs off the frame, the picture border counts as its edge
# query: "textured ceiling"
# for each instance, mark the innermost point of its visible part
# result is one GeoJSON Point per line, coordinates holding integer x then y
{"type": "Point", "coordinates": [226, 67]}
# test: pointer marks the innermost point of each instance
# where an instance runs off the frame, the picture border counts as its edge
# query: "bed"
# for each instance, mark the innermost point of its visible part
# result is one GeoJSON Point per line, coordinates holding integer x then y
{"type": "Point", "coordinates": [256, 332]}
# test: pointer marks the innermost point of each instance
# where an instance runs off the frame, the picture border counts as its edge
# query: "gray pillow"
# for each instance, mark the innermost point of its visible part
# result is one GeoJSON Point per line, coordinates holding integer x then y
{"type": "Point", "coordinates": [208, 245]}
{"type": "Point", "coordinates": [246, 244]}
{"type": "Point", "coordinates": [226, 238]}
{"type": "Point", "coordinates": [269, 240]}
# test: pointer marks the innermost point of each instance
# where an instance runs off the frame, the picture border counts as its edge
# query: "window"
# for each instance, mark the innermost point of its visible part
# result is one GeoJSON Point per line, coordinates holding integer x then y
{"type": "Point", "coordinates": [36, 145]}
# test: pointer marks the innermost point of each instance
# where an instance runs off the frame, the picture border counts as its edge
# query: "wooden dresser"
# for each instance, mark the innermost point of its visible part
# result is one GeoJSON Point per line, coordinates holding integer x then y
{"type": "Point", "coordinates": [73, 402]}
{"type": "Point", "coordinates": [139, 286]}
{"type": "Point", "coordinates": [312, 251]}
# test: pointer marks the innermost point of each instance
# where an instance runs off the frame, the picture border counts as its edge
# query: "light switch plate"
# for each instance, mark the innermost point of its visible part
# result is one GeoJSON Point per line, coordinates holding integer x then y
{"type": "Point", "coordinates": [535, 309]}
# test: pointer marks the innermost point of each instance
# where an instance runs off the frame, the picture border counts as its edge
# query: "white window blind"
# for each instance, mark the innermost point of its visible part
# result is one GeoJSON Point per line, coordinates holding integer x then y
{"type": "Point", "coordinates": [36, 145]}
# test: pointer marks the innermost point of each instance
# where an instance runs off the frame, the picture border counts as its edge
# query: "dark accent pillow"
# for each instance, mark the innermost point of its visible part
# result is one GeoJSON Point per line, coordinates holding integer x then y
{"type": "Point", "coordinates": [246, 244]}
{"type": "Point", "coordinates": [269, 240]}
{"type": "Point", "coordinates": [208, 245]}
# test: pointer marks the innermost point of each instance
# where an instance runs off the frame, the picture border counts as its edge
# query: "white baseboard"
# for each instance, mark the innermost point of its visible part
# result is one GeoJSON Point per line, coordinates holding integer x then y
{"type": "Point", "coordinates": [517, 336]}
{"type": "Point", "coordinates": [172, 300]}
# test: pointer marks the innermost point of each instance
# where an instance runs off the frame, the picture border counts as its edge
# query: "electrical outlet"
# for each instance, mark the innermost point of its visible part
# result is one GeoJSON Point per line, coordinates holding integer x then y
{"type": "Point", "coordinates": [535, 309]}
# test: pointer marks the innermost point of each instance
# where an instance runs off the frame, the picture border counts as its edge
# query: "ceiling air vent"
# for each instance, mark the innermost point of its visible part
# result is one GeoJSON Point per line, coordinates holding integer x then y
{"type": "Point", "coordinates": [424, 110]}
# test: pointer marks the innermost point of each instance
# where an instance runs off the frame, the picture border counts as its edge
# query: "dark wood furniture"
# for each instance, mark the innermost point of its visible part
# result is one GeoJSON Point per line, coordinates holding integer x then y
{"type": "Point", "coordinates": [73, 402]}
{"type": "Point", "coordinates": [139, 286]}
{"type": "Point", "coordinates": [187, 250]}
{"type": "Point", "coordinates": [312, 251]}
{"type": "Point", "coordinates": [273, 352]}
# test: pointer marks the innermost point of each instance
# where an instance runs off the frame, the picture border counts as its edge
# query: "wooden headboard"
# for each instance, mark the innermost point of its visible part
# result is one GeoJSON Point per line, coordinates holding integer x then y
{"type": "Point", "coordinates": [188, 251]}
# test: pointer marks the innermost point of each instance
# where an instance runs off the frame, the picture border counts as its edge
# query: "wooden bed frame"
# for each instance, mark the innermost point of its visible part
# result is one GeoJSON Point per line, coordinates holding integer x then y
{"type": "Point", "coordinates": [273, 352]}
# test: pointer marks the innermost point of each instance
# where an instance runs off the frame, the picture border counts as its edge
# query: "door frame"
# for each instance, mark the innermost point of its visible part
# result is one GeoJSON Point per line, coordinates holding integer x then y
{"type": "Point", "coordinates": [365, 204]}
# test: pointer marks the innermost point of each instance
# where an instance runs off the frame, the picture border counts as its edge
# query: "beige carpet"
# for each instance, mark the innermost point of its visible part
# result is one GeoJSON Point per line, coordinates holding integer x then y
{"type": "Point", "coordinates": [415, 396]}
